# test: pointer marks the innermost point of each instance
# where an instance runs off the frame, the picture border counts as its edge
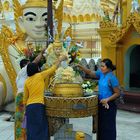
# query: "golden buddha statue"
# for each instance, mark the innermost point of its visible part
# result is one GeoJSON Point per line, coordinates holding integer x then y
{"type": "Point", "coordinates": [53, 52]}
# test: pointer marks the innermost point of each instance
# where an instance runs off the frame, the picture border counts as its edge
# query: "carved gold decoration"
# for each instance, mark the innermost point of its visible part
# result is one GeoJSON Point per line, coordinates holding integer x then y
{"type": "Point", "coordinates": [35, 3]}
{"type": "Point", "coordinates": [68, 3]}
{"type": "Point", "coordinates": [68, 90]}
{"type": "Point", "coordinates": [107, 24]}
{"type": "Point", "coordinates": [81, 18]}
{"type": "Point", "coordinates": [68, 32]}
{"type": "Point", "coordinates": [5, 88]}
{"type": "Point", "coordinates": [59, 16]}
{"type": "Point", "coordinates": [57, 43]}
{"type": "Point", "coordinates": [71, 107]}
{"type": "Point", "coordinates": [117, 35]}
{"type": "Point", "coordinates": [1, 8]}
{"type": "Point", "coordinates": [17, 13]}
{"type": "Point", "coordinates": [5, 35]}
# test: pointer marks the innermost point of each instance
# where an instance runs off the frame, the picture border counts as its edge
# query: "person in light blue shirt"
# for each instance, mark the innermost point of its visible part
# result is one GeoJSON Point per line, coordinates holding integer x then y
{"type": "Point", "coordinates": [108, 91]}
{"type": "Point", "coordinates": [107, 81]}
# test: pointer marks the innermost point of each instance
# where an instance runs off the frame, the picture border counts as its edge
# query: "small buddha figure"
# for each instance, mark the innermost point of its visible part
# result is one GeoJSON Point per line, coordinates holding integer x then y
{"type": "Point", "coordinates": [6, 6]}
{"type": "Point", "coordinates": [53, 52]}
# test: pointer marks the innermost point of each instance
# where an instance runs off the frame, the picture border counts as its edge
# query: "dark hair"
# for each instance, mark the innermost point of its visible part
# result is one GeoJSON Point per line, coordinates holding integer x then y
{"type": "Point", "coordinates": [109, 64]}
{"type": "Point", "coordinates": [23, 63]}
{"type": "Point", "coordinates": [32, 68]}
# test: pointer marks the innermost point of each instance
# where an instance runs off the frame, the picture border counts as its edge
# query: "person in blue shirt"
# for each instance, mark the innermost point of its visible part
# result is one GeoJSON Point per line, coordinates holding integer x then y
{"type": "Point", "coordinates": [108, 92]}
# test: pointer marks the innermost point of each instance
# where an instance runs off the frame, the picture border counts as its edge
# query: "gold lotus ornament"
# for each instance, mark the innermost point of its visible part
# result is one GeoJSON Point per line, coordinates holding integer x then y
{"type": "Point", "coordinates": [68, 90]}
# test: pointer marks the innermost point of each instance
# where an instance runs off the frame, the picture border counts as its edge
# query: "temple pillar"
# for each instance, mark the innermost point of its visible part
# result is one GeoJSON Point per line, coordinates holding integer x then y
{"type": "Point", "coordinates": [111, 50]}
{"type": "Point", "coordinates": [108, 51]}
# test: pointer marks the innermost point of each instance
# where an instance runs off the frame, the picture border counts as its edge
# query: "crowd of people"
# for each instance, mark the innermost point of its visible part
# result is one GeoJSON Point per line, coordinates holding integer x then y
{"type": "Point", "coordinates": [30, 98]}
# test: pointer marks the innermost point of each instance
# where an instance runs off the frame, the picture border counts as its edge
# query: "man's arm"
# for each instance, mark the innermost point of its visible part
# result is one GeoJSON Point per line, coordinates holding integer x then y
{"type": "Point", "coordinates": [52, 69]}
{"type": "Point", "coordinates": [40, 55]}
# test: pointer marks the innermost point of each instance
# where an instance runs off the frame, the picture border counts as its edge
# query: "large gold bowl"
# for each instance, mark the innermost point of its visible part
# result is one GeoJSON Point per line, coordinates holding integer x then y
{"type": "Point", "coordinates": [68, 90]}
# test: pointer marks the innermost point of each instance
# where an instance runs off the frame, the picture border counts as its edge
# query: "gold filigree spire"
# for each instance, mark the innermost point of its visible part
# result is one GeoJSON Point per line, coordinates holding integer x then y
{"type": "Point", "coordinates": [35, 3]}
{"type": "Point", "coordinates": [57, 42]}
{"type": "Point", "coordinates": [59, 16]}
{"type": "Point", "coordinates": [1, 6]}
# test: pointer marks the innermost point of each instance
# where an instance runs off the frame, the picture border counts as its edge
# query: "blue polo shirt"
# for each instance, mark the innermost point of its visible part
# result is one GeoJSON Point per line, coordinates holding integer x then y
{"type": "Point", "coordinates": [105, 80]}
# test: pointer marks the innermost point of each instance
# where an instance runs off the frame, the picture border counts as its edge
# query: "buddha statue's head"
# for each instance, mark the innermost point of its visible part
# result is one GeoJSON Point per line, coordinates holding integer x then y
{"type": "Point", "coordinates": [34, 18]}
{"type": "Point", "coordinates": [57, 47]}
{"type": "Point", "coordinates": [6, 5]}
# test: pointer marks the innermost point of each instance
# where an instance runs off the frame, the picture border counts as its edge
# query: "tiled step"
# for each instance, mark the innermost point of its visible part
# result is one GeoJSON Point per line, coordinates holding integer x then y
{"type": "Point", "coordinates": [132, 101]}
{"type": "Point", "coordinates": [132, 97]}
{"type": "Point", "coordinates": [130, 107]}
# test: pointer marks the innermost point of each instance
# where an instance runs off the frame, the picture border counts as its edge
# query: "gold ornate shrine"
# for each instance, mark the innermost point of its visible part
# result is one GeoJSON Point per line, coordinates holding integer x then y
{"type": "Point", "coordinates": [73, 107]}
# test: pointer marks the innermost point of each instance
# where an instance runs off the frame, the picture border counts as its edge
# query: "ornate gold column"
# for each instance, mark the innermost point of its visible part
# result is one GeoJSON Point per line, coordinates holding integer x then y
{"type": "Point", "coordinates": [108, 50]}
{"type": "Point", "coordinates": [126, 8]}
{"type": "Point", "coordinates": [4, 89]}
{"type": "Point", "coordinates": [120, 63]}
{"type": "Point", "coordinates": [6, 59]}
{"type": "Point", "coordinates": [111, 49]}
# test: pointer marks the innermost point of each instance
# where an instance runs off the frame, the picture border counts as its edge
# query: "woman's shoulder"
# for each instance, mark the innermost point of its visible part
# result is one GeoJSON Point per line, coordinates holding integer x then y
{"type": "Point", "coordinates": [113, 75]}
{"type": "Point", "coordinates": [113, 79]}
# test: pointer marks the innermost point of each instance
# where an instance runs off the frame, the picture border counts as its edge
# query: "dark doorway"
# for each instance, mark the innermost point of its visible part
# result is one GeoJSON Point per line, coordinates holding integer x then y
{"type": "Point", "coordinates": [135, 67]}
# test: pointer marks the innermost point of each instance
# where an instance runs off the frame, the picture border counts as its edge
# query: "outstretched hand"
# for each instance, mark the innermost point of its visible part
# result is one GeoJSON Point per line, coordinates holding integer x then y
{"type": "Point", "coordinates": [43, 50]}
{"type": "Point", "coordinates": [104, 102]}
{"type": "Point", "coordinates": [106, 106]}
{"type": "Point", "coordinates": [78, 65]}
{"type": "Point", "coordinates": [39, 57]}
{"type": "Point", "coordinates": [62, 58]}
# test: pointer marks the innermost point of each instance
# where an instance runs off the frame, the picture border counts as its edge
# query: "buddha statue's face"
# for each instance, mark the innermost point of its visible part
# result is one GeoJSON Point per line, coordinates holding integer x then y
{"type": "Point", "coordinates": [6, 6]}
{"type": "Point", "coordinates": [57, 50]}
{"type": "Point", "coordinates": [33, 22]}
